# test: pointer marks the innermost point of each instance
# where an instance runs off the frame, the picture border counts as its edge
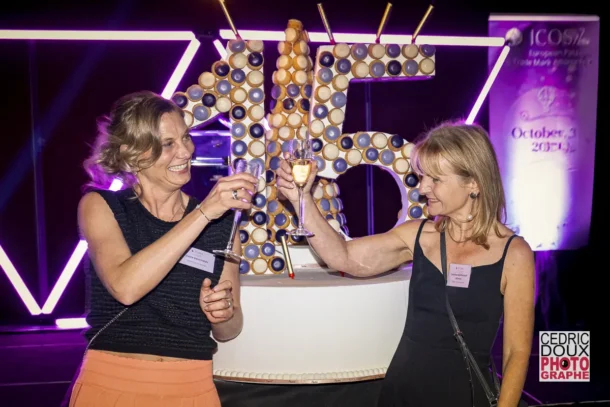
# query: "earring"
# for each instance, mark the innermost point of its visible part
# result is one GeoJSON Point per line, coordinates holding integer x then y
{"type": "Point", "coordinates": [472, 195]}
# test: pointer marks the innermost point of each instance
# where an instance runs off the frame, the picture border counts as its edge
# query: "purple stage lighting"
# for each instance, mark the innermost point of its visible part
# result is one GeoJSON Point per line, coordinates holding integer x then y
{"type": "Point", "coordinates": [170, 87]}
{"type": "Point", "coordinates": [488, 84]}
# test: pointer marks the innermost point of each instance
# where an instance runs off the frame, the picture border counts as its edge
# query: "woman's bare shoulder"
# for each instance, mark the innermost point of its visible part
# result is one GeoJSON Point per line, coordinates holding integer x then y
{"type": "Point", "coordinates": [408, 230]}
{"type": "Point", "coordinates": [412, 226]}
{"type": "Point", "coordinates": [518, 250]}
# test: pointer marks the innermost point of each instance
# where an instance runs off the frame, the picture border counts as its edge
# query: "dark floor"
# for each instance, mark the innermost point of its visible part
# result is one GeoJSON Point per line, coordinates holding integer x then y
{"type": "Point", "coordinates": [36, 369]}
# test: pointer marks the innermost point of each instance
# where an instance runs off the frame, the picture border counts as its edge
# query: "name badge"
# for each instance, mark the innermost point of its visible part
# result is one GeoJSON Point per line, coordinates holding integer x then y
{"type": "Point", "coordinates": [199, 259]}
{"type": "Point", "coordinates": [459, 275]}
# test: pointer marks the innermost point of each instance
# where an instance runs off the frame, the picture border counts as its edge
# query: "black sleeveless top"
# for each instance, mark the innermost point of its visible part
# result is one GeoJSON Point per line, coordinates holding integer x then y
{"type": "Point", "coordinates": [168, 321]}
{"type": "Point", "coordinates": [477, 308]}
{"type": "Point", "coordinates": [428, 368]}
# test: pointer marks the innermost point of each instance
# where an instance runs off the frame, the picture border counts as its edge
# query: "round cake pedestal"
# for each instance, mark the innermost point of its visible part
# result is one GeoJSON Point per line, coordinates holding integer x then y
{"type": "Point", "coordinates": [319, 327]}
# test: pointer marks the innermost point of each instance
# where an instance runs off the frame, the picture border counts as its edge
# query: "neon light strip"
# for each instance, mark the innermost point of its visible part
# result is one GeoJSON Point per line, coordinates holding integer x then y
{"type": "Point", "coordinates": [70, 268]}
{"type": "Point", "coordinates": [71, 323]}
{"type": "Point", "coordinates": [221, 50]}
{"type": "Point", "coordinates": [18, 284]}
{"type": "Point", "coordinates": [64, 277]}
{"type": "Point", "coordinates": [488, 84]}
{"type": "Point", "coordinates": [173, 82]}
{"type": "Point", "coordinates": [75, 35]}
{"type": "Point", "coordinates": [322, 37]}
{"type": "Point", "coordinates": [180, 69]}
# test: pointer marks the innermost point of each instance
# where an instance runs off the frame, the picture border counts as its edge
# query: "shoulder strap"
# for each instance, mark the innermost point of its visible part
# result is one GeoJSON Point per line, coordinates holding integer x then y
{"type": "Point", "coordinates": [421, 227]}
{"type": "Point", "coordinates": [494, 372]}
{"type": "Point", "coordinates": [510, 239]}
{"type": "Point", "coordinates": [468, 357]}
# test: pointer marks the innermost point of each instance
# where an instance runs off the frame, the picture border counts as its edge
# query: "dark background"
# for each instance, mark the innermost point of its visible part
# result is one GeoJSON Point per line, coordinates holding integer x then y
{"type": "Point", "coordinates": [54, 90]}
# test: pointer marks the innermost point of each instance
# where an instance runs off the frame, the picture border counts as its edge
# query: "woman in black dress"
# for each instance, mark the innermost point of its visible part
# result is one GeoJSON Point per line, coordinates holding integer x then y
{"type": "Point", "coordinates": [490, 274]}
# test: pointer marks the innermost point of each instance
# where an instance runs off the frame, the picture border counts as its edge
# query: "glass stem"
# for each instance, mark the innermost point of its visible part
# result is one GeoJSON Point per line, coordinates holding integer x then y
{"type": "Point", "coordinates": [236, 220]}
{"type": "Point", "coordinates": [301, 209]}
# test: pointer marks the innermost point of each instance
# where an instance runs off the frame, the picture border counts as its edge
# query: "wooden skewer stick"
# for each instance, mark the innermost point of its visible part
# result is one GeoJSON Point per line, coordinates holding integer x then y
{"type": "Point", "coordinates": [384, 21]}
{"type": "Point", "coordinates": [224, 8]}
{"type": "Point", "coordinates": [421, 23]}
{"type": "Point", "coordinates": [326, 25]}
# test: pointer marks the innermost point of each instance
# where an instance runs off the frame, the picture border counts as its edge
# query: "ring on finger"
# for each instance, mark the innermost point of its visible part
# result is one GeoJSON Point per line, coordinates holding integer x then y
{"type": "Point", "coordinates": [234, 194]}
{"type": "Point", "coordinates": [229, 302]}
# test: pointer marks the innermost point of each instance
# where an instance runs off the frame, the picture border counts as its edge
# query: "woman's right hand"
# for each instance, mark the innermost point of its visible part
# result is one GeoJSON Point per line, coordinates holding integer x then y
{"type": "Point", "coordinates": [221, 199]}
{"type": "Point", "coordinates": [285, 182]}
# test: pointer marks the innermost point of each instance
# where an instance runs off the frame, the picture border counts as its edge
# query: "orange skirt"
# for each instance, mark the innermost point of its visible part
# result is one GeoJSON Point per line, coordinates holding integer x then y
{"type": "Point", "coordinates": [108, 380]}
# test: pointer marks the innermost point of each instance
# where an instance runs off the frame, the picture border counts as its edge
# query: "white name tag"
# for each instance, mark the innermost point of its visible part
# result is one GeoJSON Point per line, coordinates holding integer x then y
{"type": "Point", "coordinates": [199, 259]}
{"type": "Point", "coordinates": [459, 275]}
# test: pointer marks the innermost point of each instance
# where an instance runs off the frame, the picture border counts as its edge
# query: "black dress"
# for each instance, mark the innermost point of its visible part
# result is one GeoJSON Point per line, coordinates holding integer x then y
{"type": "Point", "coordinates": [428, 368]}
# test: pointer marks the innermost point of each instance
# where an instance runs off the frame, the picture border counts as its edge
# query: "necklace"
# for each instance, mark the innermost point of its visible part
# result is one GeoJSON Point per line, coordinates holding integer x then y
{"type": "Point", "coordinates": [451, 236]}
{"type": "Point", "coordinates": [456, 241]}
{"type": "Point", "coordinates": [175, 213]}
{"type": "Point", "coordinates": [181, 207]}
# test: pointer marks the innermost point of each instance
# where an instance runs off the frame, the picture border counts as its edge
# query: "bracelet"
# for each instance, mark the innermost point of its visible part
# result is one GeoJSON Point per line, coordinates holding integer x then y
{"type": "Point", "coordinates": [204, 215]}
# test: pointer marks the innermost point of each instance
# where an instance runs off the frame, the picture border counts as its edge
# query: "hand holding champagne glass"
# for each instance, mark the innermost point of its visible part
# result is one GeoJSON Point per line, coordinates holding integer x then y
{"type": "Point", "coordinates": [253, 169]}
{"type": "Point", "coordinates": [300, 160]}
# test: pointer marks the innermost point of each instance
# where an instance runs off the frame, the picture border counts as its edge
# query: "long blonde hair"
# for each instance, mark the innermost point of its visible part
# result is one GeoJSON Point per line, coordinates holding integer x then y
{"type": "Point", "coordinates": [134, 122]}
{"type": "Point", "coordinates": [470, 154]}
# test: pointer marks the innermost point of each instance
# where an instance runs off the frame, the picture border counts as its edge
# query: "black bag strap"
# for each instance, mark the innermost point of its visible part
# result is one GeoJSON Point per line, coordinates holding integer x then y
{"type": "Point", "coordinates": [469, 359]}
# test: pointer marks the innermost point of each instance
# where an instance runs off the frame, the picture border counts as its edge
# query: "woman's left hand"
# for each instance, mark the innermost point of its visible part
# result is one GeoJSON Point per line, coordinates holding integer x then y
{"type": "Point", "coordinates": [217, 302]}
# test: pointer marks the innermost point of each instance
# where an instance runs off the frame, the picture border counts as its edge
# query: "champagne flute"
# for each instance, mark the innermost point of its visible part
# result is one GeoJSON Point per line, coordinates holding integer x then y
{"type": "Point", "coordinates": [301, 158]}
{"type": "Point", "coordinates": [253, 169]}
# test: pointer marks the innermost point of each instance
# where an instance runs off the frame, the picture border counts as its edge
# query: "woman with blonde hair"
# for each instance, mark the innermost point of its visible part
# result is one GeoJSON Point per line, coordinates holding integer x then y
{"type": "Point", "coordinates": [158, 298]}
{"type": "Point", "coordinates": [469, 271]}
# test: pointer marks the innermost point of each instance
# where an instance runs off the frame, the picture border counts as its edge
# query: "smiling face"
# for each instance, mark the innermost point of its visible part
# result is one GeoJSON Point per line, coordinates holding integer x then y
{"type": "Point", "coordinates": [453, 161]}
{"type": "Point", "coordinates": [172, 169]}
{"type": "Point", "coordinates": [448, 193]}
